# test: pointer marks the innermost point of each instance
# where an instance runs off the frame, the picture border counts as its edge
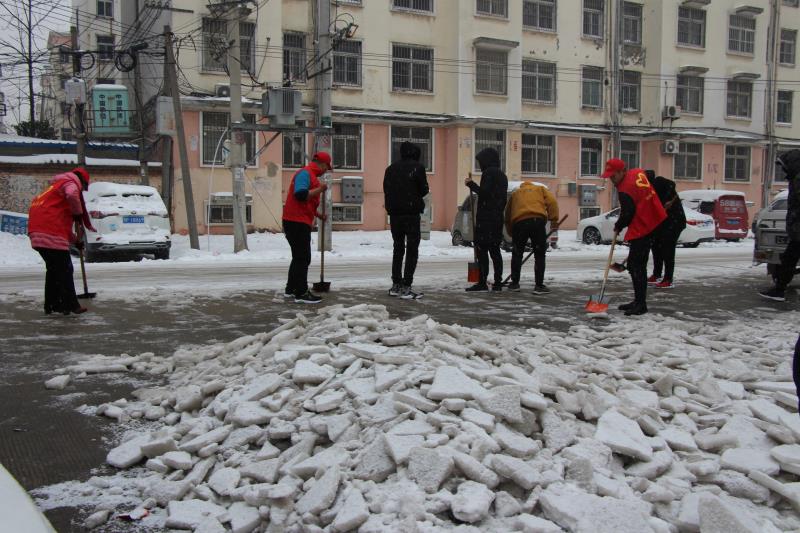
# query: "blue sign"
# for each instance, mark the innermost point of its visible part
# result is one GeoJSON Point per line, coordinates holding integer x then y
{"type": "Point", "coordinates": [14, 224]}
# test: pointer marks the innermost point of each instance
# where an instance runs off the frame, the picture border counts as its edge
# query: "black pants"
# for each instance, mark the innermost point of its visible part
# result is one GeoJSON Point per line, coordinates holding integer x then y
{"type": "Point", "coordinates": [484, 250]}
{"type": "Point", "coordinates": [59, 287]}
{"type": "Point", "coordinates": [299, 237]}
{"type": "Point", "coordinates": [406, 237]}
{"type": "Point", "coordinates": [789, 259]}
{"type": "Point", "coordinates": [664, 244]}
{"type": "Point", "coordinates": [796, 368]}
{"type": "Point", "coordinates": [531, 230]}
{"type": "Point", "coordinates": [637, 266]}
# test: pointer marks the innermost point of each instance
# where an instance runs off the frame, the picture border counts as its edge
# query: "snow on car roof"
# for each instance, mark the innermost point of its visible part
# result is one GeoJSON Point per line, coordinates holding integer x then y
{"type": "Point", "coordinates": [707, 195]}
{"type": "Point", "coordinates": [102, 188]}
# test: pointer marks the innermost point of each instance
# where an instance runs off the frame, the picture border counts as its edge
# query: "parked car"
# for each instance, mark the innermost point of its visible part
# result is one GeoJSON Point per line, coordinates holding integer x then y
{"type": "Point", "coordinates": [600, 229]}
{"type": "Point", "coordinates": [462, 225]}
{"type": "Point", "coordinates": [728, 208]}
{"type": "Point", "coordinates": [769, 229]}
{"type": "Point", "coordinates": [129, 219]}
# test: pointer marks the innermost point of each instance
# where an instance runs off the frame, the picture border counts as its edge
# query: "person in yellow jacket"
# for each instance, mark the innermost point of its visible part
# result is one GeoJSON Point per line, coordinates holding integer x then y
{"type": "Point", "coordinates": [527, 213]}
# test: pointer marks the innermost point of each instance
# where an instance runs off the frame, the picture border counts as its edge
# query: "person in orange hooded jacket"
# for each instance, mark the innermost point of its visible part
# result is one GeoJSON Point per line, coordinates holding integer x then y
{"type": "Point", "coordinates": [56, 220]}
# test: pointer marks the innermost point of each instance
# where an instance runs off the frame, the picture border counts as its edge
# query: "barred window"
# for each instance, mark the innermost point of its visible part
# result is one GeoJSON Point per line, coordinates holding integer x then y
{"type": "Point", "coordinates": [737, 163]}
{"type": "Point", "coordinates": [413, 5]}
{"type": "Point", "coordinates": [105, 8]}
{"type": "Point", "coordinates": [539, 81]}
{"type": "Point", "coordinates": [629, 152]}
{"type": "Point", "coordinates": [491, 138]}
{"type": "Point", "coordinates": [496, 8]}
{"type": "Point", "coordinates": [294, 56]}
{"type": "Point", "coordinates": [538, 154]}
{"type": "Point", "coordinates": [688, 161]}
{"type": "Point", "coordinates": [412, 68]}
{"type": "Point", "coordinates": [421, 137]}
{"type": "Point", "coordinates": [220, 210]}
{"type": "Point", "coordinates": [690, 94]}
{"type": "Point", "coordinates": [294, 148]}
{"type": "Point", "coordinates": [788, 46]}
{"type": "Point", "coordinates": [784, 110]}
{"type": "Point", "coordinates": [215, 44]}
{"type": "Point", "coordinates": [347, 63]}
{"type": "Point", "coordinates": [591, 151]}
{"type": "Point", "coordinates": [593, 17]}
{"type": "Point", "coordinates": [346, 141]}
{"type": "Point", "coordinates": [491, 71]}
{"type": "Point", "coordinates": [741, 34]}
{"type": "Point", "coordinates": [592, 87]}
{"type": "Point", "coordinates": [214, 126]}
{"type": "Point", "coordinates": [630, 91]}
{"type": "Point", "coordinates": [105, 47]}
{"type": "Point", "coordinates": [632, 23]}
{"type": "Point", "coordinates": [691, 26]}
{"type": "Point", "coordinates": [539, 14]}
{"type": "Point", "coordinates": [740, 97]}
{"type": "Point", "coordinates": [247, 43]}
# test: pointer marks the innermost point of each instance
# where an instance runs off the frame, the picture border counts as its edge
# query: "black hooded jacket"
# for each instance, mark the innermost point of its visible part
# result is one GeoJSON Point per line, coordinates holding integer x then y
{"type": "Point", "coordinates": [492, 197]}
{"type": "Point", "coordinates": [790, 161]}
{"type": "Point", "coordinates": [405, 183]}
{"type": "Point", "coordinates": [665, 189]}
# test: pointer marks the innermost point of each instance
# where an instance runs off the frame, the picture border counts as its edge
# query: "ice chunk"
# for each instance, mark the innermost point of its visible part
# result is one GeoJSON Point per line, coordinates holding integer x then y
{"type": "Point", "coordinates": [321, 494]}
{"type": "Point", "coordinates": [717, 516]}
{"type": "Point", "coordinates": [177, 460]}
{"type": "Point", "coordinates": [128, 453]}
{"type": "Point", "coordinates": [503, 402]}
{"type": "Point", "coordinates": [414, 399]}
{"type": "Point", "coordinates": [514, 443]}
{"type": "Point", "coordinates": [325, 459]}
{"type": "Point", "coordinates": [429, 468]}
{"type": "Point", "coordinates": [558, 433]}
{"type": "Point", "coordinates": [189, 514]}
{"type": "Point", "coordinates": [678, 439]}
{"type": "Point", "coordinates": [224, 480]}
{"type": "Point", "coordinates": [58, 383]}
{"type": "Point", "coordinates": [475, 470]}
{"type": "Point", "coordinates": [450, 382]}
{"type": "Point", "coordinates": [244, 518]}
{"type": "Point", "coordinates": [261, 471]}
{"type": "Point", "coordinates": [250, 413]}
{"type": "Point", "coordinates": [479, 418]}
{"type": "Point", "coordinates": [306, 372]}
{"type": "Point", "coordinates": [160, 446]}
{"type": "Point", "coordinates": [746, 459]}
{"type": "Point", "coordinates": [260, 387]}
{"type": "Point", "coordinates": [375, 463]}
{"type": "Point", "coordinates": [515, 469]}
{"type": "Point", "coordinates": [580, 512]}
{"type": "Point", "coordinates": [400, 446]}
{"type": "Point", "coordinates": [527, 523]}
{"type": "Point", "coordinates": [352, 513]}
{"type": "Point", "coordinates": [472, 501]}
{"type": "Point", "coordinates": [623, 435]}
{"type": "Point", "coordinates": [215, 435]}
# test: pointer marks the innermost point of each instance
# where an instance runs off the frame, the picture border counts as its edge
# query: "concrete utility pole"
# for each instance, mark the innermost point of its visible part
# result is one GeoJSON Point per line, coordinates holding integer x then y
{"type": "Point", "coordinates": [773, 48]}
{"type": "Point", "coordinates": [186, 178]}
{"type": "Point", "coordinates": [324, 85]}
{"type": "Point", "coordinates": [236, 159]}
{"type": "Point", "coordinates": [80, 107]}
{"type": "Point", "coordinates": [616, 78]}
{"type": "Point", "coordinates": [144, 171]}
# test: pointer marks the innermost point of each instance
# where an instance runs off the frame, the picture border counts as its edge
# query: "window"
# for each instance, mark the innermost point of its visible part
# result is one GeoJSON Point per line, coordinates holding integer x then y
{"type": "Point", "coordinates": [347, 63]}
{"type": "Point", "coordinates": [294, 57]}
{"type": "Point", "coordinates": [539, 14]}
{"type": "Point", "coordinates": [489, 138]}
{"type": "Point", "coordinates": [591, 150]}
{"type": "Point", "coordinates": [690, 94]}
{"type": "Point", "coordinates": [741, 34]}
{"type": "Point", "coordinates": [592, 87]}
{"type": "Point", "coordinates": [538, 154]}
{"type": "Point", "coordinates": [421, 137]}
{"type": "Point", "coordinates": [491, 71]}
{"type": "Point", "coordinates": [539, 81]}
{"type": "Point", "coordinates": [784, 114]}
{"type": "Point", "coordinates": [413, 5]}
{"type": "Point", "coordinates": [64, 56]}
{"type": "Point", "coordinates": [247, 45]}
{"type": "Point", "coordinates": [66, 134]}
{"type": "Point", "coordinates": [692, 26]}
{"type": "Point", "coordinates": [294, 148]}
{"type": "Point", "coordinates": [632, 23]}
{"type": "Point", "coordinates": [215, 44]}
{"type": "Point", "coordinates": [630, 91]}
{"type": "Point", "coordinates": [346, 214]}
{"type": "Point", "coordinates": [495, 8]}
{"type": "Point", "coordinates": [346, 141]}
{"type": "Point", "coordinates": [737, 163]}
{"type": "Point", "coordinates": [593, 18]}
{"type": "Point", "coordinates": [105, 47]}
{"type": "Point", "coordinates": [105, 8]}
{"type": "Point", "coordinates": [688, 161]}
{"type": "Point", "coordinates": [214, 126]}
{"type": "Point", "coordinates": [629, 152]}
{"type": "Point", "coordinates": [791, 3]}
{"type": "Point", "coordinates": [412, 68]}
{"type": "Point", "coordinates": [740, 95]}
{"type": "Point", "coordinates": [788, 46]}
{"type": "Point", "coordinates": [220, 210]}
{"type": "Point", "coordinates": [106, 81]}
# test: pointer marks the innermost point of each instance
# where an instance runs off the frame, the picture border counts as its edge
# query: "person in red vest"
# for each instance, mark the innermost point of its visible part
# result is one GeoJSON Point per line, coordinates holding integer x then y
{"type": "Point", "coordinates": [641, 212]}
{"type": "Point", "coordinates": [302, 202]}
{"type": "Point", "coordinates": [55, 220]}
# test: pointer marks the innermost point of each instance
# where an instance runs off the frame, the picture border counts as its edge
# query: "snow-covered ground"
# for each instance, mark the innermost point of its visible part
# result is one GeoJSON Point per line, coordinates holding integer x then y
{"type": "Point", "coordinates": [350, 419]}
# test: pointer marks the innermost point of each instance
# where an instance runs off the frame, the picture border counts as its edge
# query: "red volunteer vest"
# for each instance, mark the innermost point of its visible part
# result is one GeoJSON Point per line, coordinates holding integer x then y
{"type": "Point", "coordinates": [50, 212]}
{"type": "Point", "coordinates": [649, 211]}
{"type": "Point", "coordinates": [295, 210]}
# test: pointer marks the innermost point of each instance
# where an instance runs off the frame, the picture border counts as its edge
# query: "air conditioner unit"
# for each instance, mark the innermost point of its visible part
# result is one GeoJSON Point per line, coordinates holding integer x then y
{"type": "Point", "coordinates": [283, 107]}
{"type": "Point", "coordinates": [670, 147]}
{"type": "Point", "coordinates": [222, 90]}
{"type": "Point", "coordinates": [671, 112]}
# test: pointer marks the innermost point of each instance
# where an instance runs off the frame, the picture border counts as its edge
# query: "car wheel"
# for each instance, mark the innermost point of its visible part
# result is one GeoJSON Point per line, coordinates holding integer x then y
{"type": "Point", "coordinates": [691, 244]}
{"type": "Point", "coordinates": [162, 254]}
{"type": "Point", "coordinates": [591, 235]}
{"type": "Point", "coordinates": [458, 238]}
{"type": "Point", "coordinates": [732, 240]}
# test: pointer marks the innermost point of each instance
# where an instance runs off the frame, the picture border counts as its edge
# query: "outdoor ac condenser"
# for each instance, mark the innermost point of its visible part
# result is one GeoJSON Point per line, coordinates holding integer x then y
{"type": "Point", "coordinates": [283, 107]}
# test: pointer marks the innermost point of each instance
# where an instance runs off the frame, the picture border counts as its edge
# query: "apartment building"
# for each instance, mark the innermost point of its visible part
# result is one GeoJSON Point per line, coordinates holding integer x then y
{"type": "Point", "coordinates": [53, 105]}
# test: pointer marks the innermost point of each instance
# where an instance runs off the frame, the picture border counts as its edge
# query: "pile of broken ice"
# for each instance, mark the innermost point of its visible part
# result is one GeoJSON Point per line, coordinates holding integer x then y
{"type": "Point", "coordinates": [352, 421]}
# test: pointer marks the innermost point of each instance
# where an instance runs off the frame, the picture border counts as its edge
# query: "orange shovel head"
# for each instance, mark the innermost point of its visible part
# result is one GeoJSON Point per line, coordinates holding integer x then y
{"type": "Point", "coordinates": [593, 306]}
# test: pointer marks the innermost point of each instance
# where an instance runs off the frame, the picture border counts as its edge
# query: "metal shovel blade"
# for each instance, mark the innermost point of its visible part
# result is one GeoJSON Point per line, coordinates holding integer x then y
{"type": "Point", "coordinates": [87, 295]}
{"type": "Point", "coordinates": [322, 286]}
{"type": "Point", "coordinates": [618, 267]}
{"type": "Point", "coordinates": [597, 304]}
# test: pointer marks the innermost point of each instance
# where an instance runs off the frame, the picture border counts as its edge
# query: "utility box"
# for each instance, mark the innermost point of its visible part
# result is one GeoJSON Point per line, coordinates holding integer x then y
{"type": "Point", "coordinates": [352, 190]}
{"type": "Point", "coordinates": [75, 90]}
{"type": "Point", "coordinates": [588, 195]}
{"type": "Point", "coordinates": [110, 110]}
{"type": "Point", "coordinates": [283, 107]}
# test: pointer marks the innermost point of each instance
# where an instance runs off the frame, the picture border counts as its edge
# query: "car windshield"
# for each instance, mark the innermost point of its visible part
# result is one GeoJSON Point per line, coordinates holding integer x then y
{"type": "Point", "coordinates": [707, 208]}
{"type": "Point", "coordinates": [779, 205]}
{"type": "Point", "coordinates": [613, 213]}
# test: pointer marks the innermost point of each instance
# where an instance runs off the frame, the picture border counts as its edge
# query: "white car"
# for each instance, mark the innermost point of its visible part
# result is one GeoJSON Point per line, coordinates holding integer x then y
{"type": "Point", "coordinates": [600, 229]}
{"type": "Point", "coordinates": [128, 218]}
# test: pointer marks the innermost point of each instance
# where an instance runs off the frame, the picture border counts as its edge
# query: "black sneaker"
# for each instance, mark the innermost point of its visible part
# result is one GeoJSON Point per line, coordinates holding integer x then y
{"type": "Point", "coordinates": [637, 309]}
{"type": "Point", "coordinates": [409, 294]}
{"type": "Point", "coordinates": [513, 287]}
{"type": "Point", "coordinates": [541, 289]}
{"type": "Point", "coordinates": [774, 294]}
{"type": "Point", "coordinates": [287, 293]}
{"type": "Point", "coordinates": [497, 286]}
{"type": "Point", "coordinates": [478, 287]}
{"type": "Point", "coordinates": [627, 306]}
{"type": "Point", "coordinates": [307, 298]}
{"type": "Point", "coordinates": [396, 290]}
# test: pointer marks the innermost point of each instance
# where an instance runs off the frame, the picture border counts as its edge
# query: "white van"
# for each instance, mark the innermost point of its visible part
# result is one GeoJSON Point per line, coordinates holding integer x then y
{"type": "Point", "coordinates": [130, 219]}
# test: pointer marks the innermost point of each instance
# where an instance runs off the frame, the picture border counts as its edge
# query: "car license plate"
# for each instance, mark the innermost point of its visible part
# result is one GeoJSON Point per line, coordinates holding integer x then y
{"type": "Point", "coordinates": [781, 239]}
{"type": "Point", "coordinates": [130, 219]}
{"type": "Point", "coordinates": [733, 221]}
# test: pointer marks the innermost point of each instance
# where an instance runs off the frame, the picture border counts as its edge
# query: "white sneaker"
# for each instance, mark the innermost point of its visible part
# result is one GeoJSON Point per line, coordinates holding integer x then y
{"type": "Point", "coordinates": [408, 294]}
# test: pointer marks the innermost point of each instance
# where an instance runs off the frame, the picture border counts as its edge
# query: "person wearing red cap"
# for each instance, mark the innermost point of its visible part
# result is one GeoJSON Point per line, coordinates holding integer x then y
{"type": "Point", "coordinates": [302, 203]}
{"type": "Point", "coordinates": [55, 220]}
{"type": "Point", "coordinates": [642, 213]}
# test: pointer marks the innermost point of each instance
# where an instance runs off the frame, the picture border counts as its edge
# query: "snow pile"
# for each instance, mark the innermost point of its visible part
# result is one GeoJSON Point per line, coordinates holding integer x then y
{"type": "Point", "coordinates": [351, 420]}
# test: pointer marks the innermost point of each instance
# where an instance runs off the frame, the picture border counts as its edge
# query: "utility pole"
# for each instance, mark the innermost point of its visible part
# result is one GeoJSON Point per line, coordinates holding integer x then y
{"type": "Point", "coordinates": [616, 78]}
{"type": "Point", "coordinates": [29, 60]}
{"type": "Point", "coordinates": [236, 158]}
{"type": "Point", "coordinates": [80, 106]}
{"type": "Point", "coordinates": [324, 85]}
{"type": "Point", "coordinates": [773, 47]}
{"type": "Point", "coordinates": [144, 171]}
{"type": "Point", "coordinates": [186, 178]}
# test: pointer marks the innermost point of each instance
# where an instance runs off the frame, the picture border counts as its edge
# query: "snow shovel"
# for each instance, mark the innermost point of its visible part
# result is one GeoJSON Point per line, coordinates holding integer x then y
{"type": "Point", "coordinates": [473, 268]}
{"type": "Point", "coordinates": [598, 303]}
{"type": "Point", "coordinates": [322, 285]}
{"type": "Point", "coordinates": [620, 267]}
{"type": "Point", "coordinates": [508, 278]}
{"type": "Point", "coordinates": [86, 294]}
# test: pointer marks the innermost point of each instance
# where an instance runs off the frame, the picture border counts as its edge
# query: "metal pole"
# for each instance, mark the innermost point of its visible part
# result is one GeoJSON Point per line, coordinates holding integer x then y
{"type": "Point", "coordinates": [616, 79]}
{"type": "Point", "coordinates": [236, 159]}
{"type": "Point", "coordinates": [773, 44]}
{"type": "Point", "coordinates": [324, 84]}
{"type": "Point", "coordinates": [80, 135]}
{"type": "Point", "coordinates": [144, 171]}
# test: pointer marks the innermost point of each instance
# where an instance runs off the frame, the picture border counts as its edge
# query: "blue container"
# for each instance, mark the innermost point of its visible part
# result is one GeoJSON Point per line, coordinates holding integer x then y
{"type": "Point", "coordinates": [111, 110]}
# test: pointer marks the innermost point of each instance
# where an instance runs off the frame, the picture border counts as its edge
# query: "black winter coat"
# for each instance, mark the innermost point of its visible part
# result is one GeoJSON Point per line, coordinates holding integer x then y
{"type": "Point", "coordinates": [405, 183]}
{"type": "Point", "coordinates": [492, 198]}
{"type": "Point", "coordinates": [676, 217]}
{"type": "Point", "coordinates": [790, 161]}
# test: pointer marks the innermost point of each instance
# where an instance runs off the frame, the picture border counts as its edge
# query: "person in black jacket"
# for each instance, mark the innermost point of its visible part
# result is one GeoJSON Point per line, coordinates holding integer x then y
{"type": "Point", "coordinates": [405, 186]}
{"type": "Point", "coordinates": [790, 163]}
{"type": "Point", "coordinates": [489, 218]}
{"type": "Point", "coordinates": [667, 234]}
